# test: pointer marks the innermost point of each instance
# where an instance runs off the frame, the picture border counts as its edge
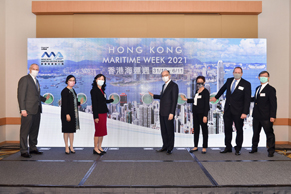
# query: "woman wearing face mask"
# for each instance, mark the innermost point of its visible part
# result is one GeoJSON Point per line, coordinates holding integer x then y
{"type": "Point", "coordinates": [200, 112]}
{"type": "Point", "coordinates": [69, 113]}
{"type": "Point", "coordinates": [100, 110]}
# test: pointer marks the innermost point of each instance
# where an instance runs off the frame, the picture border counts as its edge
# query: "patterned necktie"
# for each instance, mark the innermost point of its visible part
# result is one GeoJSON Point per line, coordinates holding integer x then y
{"type": "Point", "coordinates": [258, 93]}
{"type": "Point", "coordinates": [37, 85]}
{"type": "Point", "coordinates": [233, 86]}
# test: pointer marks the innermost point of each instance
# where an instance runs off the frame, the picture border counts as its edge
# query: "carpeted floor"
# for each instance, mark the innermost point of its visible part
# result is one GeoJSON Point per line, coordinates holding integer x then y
{"type": "Point", "coordinates": [139, 167]}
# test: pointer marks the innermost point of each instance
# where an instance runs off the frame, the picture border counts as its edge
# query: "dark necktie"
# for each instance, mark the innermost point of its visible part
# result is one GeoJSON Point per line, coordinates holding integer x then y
{"type": "Point", "coordinates": [163, 88]}
{"type": "Point", "coordinates": [258, 93]}
{"type": "Point", "coordinates": [37, 85]}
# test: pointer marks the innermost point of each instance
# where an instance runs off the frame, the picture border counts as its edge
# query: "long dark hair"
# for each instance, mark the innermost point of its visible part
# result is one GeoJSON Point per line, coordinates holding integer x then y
{"type": "Point", "coordinates": [94, 84]}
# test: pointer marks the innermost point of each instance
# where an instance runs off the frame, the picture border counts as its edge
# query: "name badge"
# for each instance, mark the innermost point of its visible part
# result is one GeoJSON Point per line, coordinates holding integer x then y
{"type": "Point", "coordinates": [199, 96]}
{"type": "Point", "coordinates": [241, 88]}
{"type": "Point", "coordinates": [262, 94]}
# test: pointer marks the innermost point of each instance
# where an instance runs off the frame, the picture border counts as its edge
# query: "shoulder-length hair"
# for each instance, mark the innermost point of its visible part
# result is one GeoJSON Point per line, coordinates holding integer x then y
{"type": "Point", "coordinates": [94, 84]}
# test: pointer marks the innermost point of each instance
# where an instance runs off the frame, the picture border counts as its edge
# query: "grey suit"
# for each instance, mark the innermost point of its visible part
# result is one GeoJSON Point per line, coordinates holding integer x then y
{"type": "Point", "coordinates": [29, 99]}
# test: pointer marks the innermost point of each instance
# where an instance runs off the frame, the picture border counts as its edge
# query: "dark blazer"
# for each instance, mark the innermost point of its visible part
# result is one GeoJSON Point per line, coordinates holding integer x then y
{"type": "Point", "coordinates": [99, 101]}
{"type": "Point", "coordinates": [28, 95]}
{"type": "Point", "coordinates": [202, 103]}
{"type": "Point", "coordinates": [68, 107]}
{"type": "Point", "coordinates": [265, 106]}
{"type": "Point", "coordinates": [168, 99]}
{"type": "Point", "coordinates": [239, 100]}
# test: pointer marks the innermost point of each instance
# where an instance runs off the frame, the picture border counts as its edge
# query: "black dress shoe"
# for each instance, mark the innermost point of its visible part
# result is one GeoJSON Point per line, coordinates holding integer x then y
{"type": "Point", "coordinates": [26, 155]}
{"type": "Point", "coordinates": [225, 151]}
{"type": "Point", "coordinates": [161, 150]}
{"type": "Point", "coordinates": [73, 152]}
{"type": "Point", "coordinates": [271, 155]}
{"type": "Point", "coordinates": [169, 152]}
{"type": "Point", "coordinates": [237, 153]}
{"type": "Point", "coordinates": [103, 152]}
{"type": "Point", "coordinates": [94, 152]}
{"type": "Point", "coordinates": [36, 152]}
{"type": "Point", "coordinates": [191, 151]}
{"type": "Point", "coordinates": [253, 151]}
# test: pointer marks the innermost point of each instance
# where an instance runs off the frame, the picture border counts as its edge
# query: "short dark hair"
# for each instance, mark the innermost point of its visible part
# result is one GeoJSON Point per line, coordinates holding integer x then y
{"type": "Point", "coordinates": [238, 68]}
{"type": "Point", "coordinates": [263, 73]}
{"type": "Point", "coordinates": [200, 77]}
{"type": "Point", "coordinates": [94, 84]}
{"type": "Point", "coordinates": [69, 77]}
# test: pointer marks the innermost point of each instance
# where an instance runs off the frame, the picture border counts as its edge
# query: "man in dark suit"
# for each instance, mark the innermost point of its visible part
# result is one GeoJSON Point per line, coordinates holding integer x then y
{"type": "Point", "coordinates": [264, 113]}
{"type": "Point", "coordinates": [168, 102]}
{"type": "Point", "coordinates": [29, 99]}
{"type": "Point", "coordinates": [236, 109]}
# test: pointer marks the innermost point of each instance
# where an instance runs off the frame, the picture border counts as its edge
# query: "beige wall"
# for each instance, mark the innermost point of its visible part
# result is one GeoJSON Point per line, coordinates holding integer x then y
{"type": "Point", "coordinates": [2, 67]}
{"type": "Point", "coordinates": [273, 24]}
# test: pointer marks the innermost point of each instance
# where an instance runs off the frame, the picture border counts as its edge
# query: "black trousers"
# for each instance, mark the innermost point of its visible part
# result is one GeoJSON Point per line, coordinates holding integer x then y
{"type": "Point", "coordinates": [268, 128]}
{"type": "Point", "coordinates": [229, 118]}
{"type": "Point", "coordinates": [29, 128]}
{"type": "Point", "coordinates": [167, 131]}
{"type": "Point", "coordinates": [197, 122]}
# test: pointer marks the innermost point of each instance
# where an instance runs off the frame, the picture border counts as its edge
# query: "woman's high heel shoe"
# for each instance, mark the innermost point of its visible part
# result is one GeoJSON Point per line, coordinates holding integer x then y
{"type": "Point", "coordinates": [68, 152]}
{"type": "Point", "coordinates": [103, 152]}
{"type": "Point", "coordinates": [94, 152]}
{"type": "Point", "coordinates": [73, 152]}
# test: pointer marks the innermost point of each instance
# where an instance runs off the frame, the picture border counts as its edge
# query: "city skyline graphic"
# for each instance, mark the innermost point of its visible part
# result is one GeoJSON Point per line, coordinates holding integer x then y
{"type": "Point", "coordinates": [133, 67]}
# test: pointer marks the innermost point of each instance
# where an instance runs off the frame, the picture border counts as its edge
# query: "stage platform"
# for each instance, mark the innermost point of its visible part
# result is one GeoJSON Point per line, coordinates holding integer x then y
{"type": "Point", "coordinates": [143, 170]}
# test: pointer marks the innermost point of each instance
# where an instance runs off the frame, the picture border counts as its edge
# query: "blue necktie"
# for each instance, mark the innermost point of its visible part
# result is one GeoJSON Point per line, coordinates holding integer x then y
{"type": "Point", "coordinates": [233, 86]}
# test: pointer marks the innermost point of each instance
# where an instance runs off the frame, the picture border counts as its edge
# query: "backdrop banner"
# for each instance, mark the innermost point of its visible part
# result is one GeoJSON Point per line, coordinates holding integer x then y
{"type": "Point", "coordinates": [133, 67]}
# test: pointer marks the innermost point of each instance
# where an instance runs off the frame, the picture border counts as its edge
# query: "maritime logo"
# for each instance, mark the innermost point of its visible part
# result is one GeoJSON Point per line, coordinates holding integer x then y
{"type": "Point", "coordinates": [57, 56]}
{"type": "Point", "coordinates": [52, 58]}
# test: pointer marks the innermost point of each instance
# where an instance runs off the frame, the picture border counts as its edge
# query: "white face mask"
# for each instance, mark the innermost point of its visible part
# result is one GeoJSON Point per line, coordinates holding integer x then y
{"type": "Point", "coordinates": [100, 82]}
{"type": "Point", "coordinates": [165, 78]}
{"type": "Point", "coordinates": [34, 73]}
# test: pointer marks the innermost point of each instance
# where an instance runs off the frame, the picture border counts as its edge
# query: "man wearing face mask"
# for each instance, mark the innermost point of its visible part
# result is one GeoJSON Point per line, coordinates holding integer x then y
{"type": "Point", "coordinates": [236, 109]}
{"type": "Point", "coordinates": [168, 102]}
{"type": "Point", "coordinates": [29, 99]}
{"type": "Point", "coordinates": [264, 113]}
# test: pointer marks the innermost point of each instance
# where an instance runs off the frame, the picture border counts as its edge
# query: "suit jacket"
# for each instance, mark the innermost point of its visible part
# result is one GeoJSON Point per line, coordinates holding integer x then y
{"type": "Point", "coordinates": [68, 107]}
{"type": "Point", "coordinates": [99, 101]}
{"type": "Point", "coordinates": [28, 95]}
{"type": "Point", "coordinates": [239, 100]}
{"type": "Point", "coordinates": [168, 99]}
{"type": "Point", "coordinates": [265, 105]}
{"type": "Point", "coordinates": [202, 103]}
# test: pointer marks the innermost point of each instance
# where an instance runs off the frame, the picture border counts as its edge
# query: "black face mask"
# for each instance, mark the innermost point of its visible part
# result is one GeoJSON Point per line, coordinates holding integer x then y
{"type": "Point", "coordinates": [199, 85]}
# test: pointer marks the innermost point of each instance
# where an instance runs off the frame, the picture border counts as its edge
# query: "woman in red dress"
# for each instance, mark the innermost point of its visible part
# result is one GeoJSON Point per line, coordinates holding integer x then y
{"type": "Point", "coordinates": [100, 110]}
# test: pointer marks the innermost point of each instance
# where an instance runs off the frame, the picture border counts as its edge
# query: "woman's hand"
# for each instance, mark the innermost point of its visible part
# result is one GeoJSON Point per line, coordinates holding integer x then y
{"type": "Point", "coordinates": [112, 97]}
{"type": "Point", "coordinates": [68, 117]}
{"type": "Point", "coordinates": [183, 97]}
{"type": "Point", "coordinates": [204, 119]}
{"type": "Point", "coordinates": [96, 120]}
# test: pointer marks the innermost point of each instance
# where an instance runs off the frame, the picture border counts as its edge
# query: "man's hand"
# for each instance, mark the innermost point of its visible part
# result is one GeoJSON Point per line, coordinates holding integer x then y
{"type": "Point", "coordinates": [96, 120]}
{"type": "Point", "coordinates": [171, 116]}
{"type": "Point", "coordinates": [151, 94]}
{"type": "Point", "coordinates": [213, 99]}
{"type": "Point", "coordinates": [24, 113]}
{"type": "Point", "coordinates": [243, 116]}
{"type": "Point", "coordinates": [204, 119]}
{"type": "Point", "coordinates": [48, 96]}
{"type": "Point", "coordinates": [183, 97]}
{"type": "Point", "coordinates": [272, 119]}
{"type": "Point", "coordinates": [68, 117]}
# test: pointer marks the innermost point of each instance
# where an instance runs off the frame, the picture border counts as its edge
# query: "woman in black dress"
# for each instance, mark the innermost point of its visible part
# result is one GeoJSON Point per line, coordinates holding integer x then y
{"type": "Point", "coordinates": [200, 112]}
{"type": "Point", "coordinates": [100, 110]}
{"type": "Point", "coordinates": [69, 113]}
